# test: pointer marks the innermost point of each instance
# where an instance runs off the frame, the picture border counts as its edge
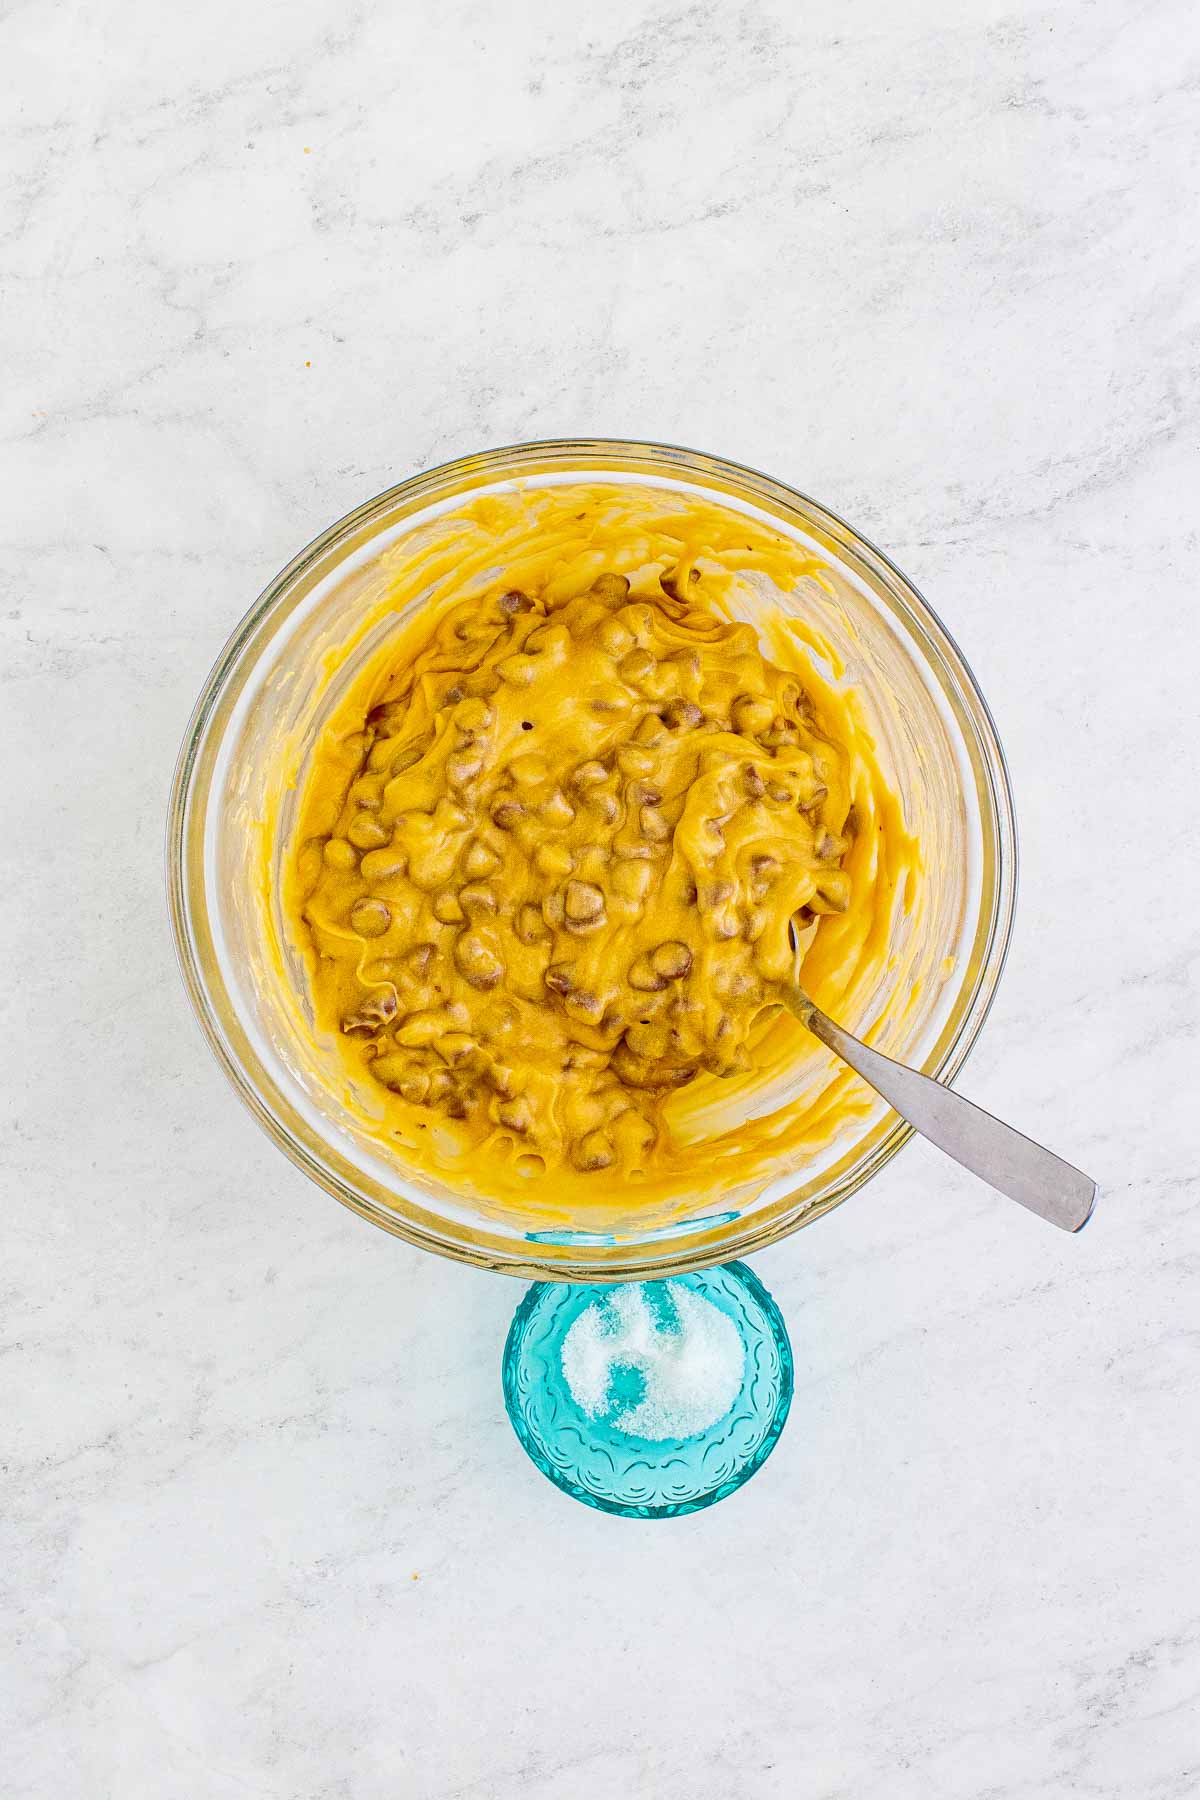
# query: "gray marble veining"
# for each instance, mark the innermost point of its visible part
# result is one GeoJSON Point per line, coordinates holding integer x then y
{"type": "Point", "coordinates": [264, 1528]}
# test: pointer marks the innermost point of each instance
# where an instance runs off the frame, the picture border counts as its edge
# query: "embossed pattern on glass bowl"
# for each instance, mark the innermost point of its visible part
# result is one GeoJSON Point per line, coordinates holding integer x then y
{"type": "Point", "coordinates": [605, 1467]}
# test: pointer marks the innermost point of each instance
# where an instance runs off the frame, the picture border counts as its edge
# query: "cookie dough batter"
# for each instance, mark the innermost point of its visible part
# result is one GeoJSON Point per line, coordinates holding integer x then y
{"type": "Point", "coordinates": [549, 847]}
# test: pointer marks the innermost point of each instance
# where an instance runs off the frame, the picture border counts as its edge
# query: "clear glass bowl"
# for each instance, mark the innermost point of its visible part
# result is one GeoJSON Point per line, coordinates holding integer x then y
{"type": "Point", "coordinates": [936, 744]}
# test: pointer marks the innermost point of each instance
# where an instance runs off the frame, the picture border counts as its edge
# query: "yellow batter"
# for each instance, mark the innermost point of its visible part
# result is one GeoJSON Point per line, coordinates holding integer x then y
{"type": "Point", "coordinates": [551, 840]}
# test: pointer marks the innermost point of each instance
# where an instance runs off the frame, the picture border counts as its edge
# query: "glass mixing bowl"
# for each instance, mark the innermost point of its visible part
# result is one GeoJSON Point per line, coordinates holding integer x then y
{"type": "Point", "coordinates": [936, 745]}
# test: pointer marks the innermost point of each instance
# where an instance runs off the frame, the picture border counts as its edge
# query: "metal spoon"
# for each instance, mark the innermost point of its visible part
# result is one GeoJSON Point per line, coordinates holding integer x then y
{"type": "Point", "coordinates": [1012, 1164]}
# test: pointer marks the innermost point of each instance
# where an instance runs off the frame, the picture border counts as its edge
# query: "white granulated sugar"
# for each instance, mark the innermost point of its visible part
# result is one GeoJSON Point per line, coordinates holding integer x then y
{"type": "Point", "coordinates": [687, 1352]}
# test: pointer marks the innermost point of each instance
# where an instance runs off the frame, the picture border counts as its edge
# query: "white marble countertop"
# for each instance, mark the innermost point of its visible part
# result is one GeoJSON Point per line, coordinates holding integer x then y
{"type": "Point", "coordinates": [265, 1530]}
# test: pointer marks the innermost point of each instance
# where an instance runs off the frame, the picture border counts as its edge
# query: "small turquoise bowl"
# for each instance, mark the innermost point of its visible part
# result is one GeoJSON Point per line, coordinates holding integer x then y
{"type": "Point", "coordinates": [598, 1455]}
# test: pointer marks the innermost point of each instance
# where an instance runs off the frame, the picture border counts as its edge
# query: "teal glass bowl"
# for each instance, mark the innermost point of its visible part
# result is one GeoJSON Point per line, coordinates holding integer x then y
{"type": "Point", "coordinates": [598, 1455]}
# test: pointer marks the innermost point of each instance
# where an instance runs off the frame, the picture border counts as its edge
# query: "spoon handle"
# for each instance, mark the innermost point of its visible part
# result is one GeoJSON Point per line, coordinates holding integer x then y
{"type": "Point", "coordinates": [1013, 1164]}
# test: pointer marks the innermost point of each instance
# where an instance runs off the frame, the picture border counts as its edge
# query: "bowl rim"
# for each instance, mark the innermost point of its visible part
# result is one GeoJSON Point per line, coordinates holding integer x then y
{"type": "Point", "coordinates": [672, 462]}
